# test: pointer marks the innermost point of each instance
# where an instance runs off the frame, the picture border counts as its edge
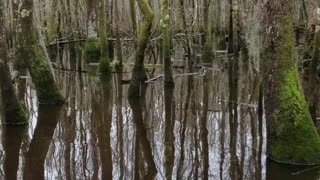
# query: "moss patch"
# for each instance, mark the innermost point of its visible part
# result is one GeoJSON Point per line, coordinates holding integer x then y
{"type": "Point", "coordinates": [47, 90]}
{"type": "Point", "coordinates": [104, 66]}
{"type": "Point", "coordinates": [16, 117]}
{"type": "Point", "coordinates": [296, 139]}
{"type": "Point", "coordinates": [92, 50]}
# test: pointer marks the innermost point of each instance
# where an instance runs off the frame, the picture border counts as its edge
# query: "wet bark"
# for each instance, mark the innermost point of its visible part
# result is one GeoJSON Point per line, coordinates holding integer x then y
{"type": "Point", "coordinates": [289, 124]}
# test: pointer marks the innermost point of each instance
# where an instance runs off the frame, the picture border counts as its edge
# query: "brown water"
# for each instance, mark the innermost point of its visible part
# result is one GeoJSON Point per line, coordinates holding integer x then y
{"type": "Point", "coordinates": [175, 133]}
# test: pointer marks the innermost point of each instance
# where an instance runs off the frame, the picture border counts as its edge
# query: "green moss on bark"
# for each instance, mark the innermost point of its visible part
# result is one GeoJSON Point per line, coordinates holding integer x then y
{"type": "Point", "coordinates": [47, 90]}
{"type": "Point", "coordinates": [29, 50]}
{"type": "Point", "coordinates": [292, 137]}
{"type": "Point", "coordinates": [297, 139]}
{"type": "Point", "coordinates": [139, 74]}
{"type": "Point", "coordinates": [16, 117]}
{"type": "Point", "coordinates": [92, 50]}
{"type": "Point", "coordinates": [104, 66]}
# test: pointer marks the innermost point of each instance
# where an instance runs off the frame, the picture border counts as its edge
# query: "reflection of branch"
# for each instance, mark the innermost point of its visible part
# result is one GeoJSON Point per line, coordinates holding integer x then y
{"type": "Point", "coordinates": [305, 170]}
{"type": "Point", "coordinates": [73, 70]}
{"type": "Point", "coordinates": [65, 40]}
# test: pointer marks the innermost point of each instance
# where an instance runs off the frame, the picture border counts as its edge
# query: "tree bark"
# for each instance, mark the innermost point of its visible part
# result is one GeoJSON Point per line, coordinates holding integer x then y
{"type": "Point", "coordinates": [165, 19]}
{"type": "Point", "coordinates": [104, 66]}
{"type": "Point", "coordinates": [292, 137]}
{"type": "Point", "coordinates": [11, 109]}
{"type": "Point", "coordinates": [208, 55]}
{"type": "Point", "coordinates": [29, 52]}
{"type": "Point", "coordinates": [139, 74]}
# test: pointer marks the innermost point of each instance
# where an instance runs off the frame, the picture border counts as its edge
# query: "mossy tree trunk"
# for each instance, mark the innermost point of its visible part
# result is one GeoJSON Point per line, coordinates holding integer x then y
{"type": "Point", "coordinates": [139, 73]}
{"type": "Point", "coordinates": [11, 110]}
{"type": "Point", "coordinates": [30, 52]}
{"type": "Point", "coordinates": [292, 137]}
{"type": "Point", "coordinates": [104, 66]}
{"type": "Point", "coordinates": [168, 79]}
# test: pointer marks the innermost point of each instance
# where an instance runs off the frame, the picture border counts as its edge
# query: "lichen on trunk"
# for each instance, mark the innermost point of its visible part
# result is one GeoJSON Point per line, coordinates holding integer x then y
{"type": "Point", "coordinates": [292, 137]}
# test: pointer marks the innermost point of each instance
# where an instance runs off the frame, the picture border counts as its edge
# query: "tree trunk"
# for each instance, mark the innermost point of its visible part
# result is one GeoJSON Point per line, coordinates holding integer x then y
{"type": "Point", "coordinates": [168, 79]}
{"type": "Point", "coordinates": [139, 74]}
{"type": "Point", "coordinates": [313, 82]}
{"type": "Point", "coordinates": [292, 137]}
{"type": "Point", "coordinates": [30, 52]}
{"type": "Point", "coordinates": [11, 109]}
{"type": "Point", "coordinates": [208, 55]}
{"type": "Point", "coordinates": [104, 66]}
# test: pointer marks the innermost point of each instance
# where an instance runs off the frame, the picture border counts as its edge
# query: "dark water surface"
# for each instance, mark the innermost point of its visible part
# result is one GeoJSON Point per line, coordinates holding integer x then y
{"type": "Point", "coordinates": [175, 133]}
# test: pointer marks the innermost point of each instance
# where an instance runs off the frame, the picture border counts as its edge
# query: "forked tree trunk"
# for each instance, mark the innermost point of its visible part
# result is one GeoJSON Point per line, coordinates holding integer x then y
{"type": "Point", "coordinates": [139, 74]}
{"type": "Point", "coordinates": [29, 51]}
{"type": "Point", "coordinates": [292, 137]}
{"type": "Point", "coordinates": [12, 111]}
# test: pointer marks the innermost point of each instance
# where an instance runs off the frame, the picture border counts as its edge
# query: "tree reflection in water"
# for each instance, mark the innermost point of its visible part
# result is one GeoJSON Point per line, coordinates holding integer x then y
{"type": "Point", "coordinates": [168, 133]}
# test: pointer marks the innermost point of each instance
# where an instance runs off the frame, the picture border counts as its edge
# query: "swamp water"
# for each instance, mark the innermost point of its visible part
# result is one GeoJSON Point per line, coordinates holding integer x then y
{"type": "Point", "coordinates": [101, 134]}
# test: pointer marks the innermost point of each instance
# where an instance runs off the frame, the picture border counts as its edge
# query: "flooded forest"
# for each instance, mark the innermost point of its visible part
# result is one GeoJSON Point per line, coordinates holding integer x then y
{"type": "Point", "coordinates": [159, 89]}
